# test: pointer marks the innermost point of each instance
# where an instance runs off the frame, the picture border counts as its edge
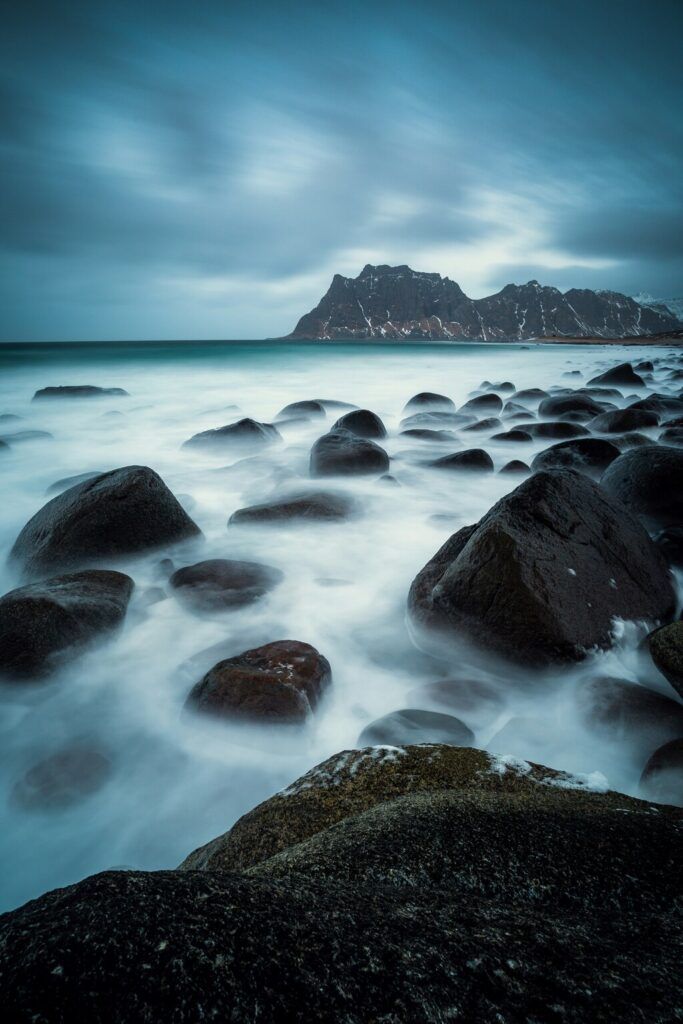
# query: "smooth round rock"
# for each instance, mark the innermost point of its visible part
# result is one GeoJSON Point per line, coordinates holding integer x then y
{"type": "Point", "coordinates": [62, 780]}
{"type": "Point", "coordinates": [222, 584]}
{"type": "Point", "coordinates": [662, 778]}
{"type": "Point", "coordinates": [472, 460]}
{"type": "Point", "coordinates": [428, 400]}
{"type": "Point", "coordinates": [341, 453]}
{"type": "Point", "coordinates": [411, 725]}
{"type": "Point", "coordinates": [245, 433]}
{"type": "Point", "coordinates": [585, 454]}
{"type": "Point", "coordinates": [649, 482]}
{"type": "Point", "coordinates": [362, 423]}
{"type": "Point", "coordinates": [311, 506]}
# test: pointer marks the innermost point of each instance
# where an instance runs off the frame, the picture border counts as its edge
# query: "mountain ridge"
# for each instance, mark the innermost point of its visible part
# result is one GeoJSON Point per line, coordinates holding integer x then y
{"type": "Point", "coordinates": [393, 303]}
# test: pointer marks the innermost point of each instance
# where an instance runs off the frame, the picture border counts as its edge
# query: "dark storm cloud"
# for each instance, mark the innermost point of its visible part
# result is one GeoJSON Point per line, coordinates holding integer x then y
{"type": "Point", "coordinates": [179, 170]}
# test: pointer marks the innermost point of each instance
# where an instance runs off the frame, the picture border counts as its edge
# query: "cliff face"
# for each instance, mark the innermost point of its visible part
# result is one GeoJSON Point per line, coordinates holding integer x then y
{"type": "Point", "coordinates": [397, 302]}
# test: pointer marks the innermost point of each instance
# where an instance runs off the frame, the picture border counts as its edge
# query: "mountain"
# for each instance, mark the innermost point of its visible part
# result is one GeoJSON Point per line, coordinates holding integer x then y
{"type": "Point", "coordinates": [673, 306]}
{"type": "Point", "coordinates": [397, 302]}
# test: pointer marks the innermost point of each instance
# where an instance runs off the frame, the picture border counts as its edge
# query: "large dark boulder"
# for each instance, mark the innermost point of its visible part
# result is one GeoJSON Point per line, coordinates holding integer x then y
{"type": "Point", "coordinates": [471, 460]}
{"type": "Point", "coordinates": [221, 584]}
{"type": "Point", "coordinates": [621, 374]}
{"type": "Point", "coordinates": [666, 647]}
{"type": "Point", "coordinates": [586, 454]}
{"type": "Point", "coordinates": [119, 513]}
{"type": "Point", "coordinates": [362, 423]}
{"type": "Point", "coordinates": [43, 624]}
{"type": "Point", "coordinates": [341, 453]}
{"type": "Point", "coordinates": [627, 712]}
{"type": "Point", "coordinates": [490, 403]}
{"type": "Point", "coordinates": [620, 421]}
{"type": "Point", "coordinates": [560, 405]}
{"type": "Point", "coordinates": [542, 576]}
{"type": "Point", "coordinates": [279, 683]}
{"type": "Point", "coordinates": [311, 506]}
{"type": "Point", "coordinates": [77, 391]}
{"type": "Point", "coordinates": [649, 482]}
{"type": "Point", "coordinates": [245, 433]}
{"type": "Point", "coordinates": [412, 725]}
{"type": "Point", "coordinates": [428, 400]}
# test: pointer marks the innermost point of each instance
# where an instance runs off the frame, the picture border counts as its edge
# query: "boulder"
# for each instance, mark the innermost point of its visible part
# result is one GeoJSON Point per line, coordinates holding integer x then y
{"type": "Point", "coordinates": [221, 584]}
{"type": "Point", "coordinates": [436, 420]}
{"type": "Point", "coordinates": [424, 434]}
{"type": "Point", "coordinates": [70, 481]}
{"type": "Point", "coordinates": [621, 374]}
{"type": "Point", "coordinates": [4, 446]}
{"type": "Point", "coordinates": [472, 460]}
{"type": "Point", "coordinates": [627, 712]}
{"type": "Point", "coordinates": [586, 454]}
{"type": "Point", "coordinates": [649, 482]}
{"type": "Point", "coordinates": [311, 506]}
{"type": "Point", "coordinates": [25, 435]}
{"type": "Point", "coordinates": [310, 409]}
{"type": "Point", "coordinates": [62, 780]}
{"type": "Point", "coordinates": [560, 405]}
{"type": "Point", "coordinates": [490, 403]}
{"type": "Point", "coordinates": [672, 436]}
{"type": "Point", "coordinates": [341, 453]}
{"type": "Point", "coordinates": [558, 430]}
{"type": "Point", "coordinates": [411, 725]}
{"type": "Point", "coordinates": [665, 405]}
{"type": "Point", "coordinates": [428, 400]}
{"type": "Point", "coordinates": [245, 433]}
{"type": "Point", "coordinates": [520, 417]}
{"type": "Point", "coordinates": [645, 366]}
{"type": "Point", "coordinates": [77, 391]}
{"type": "Point", "coordinates": [662, 778]}
{"type": "Point", "coordinates": [670, 543]}
{"type": "Point", "coordinates": [529, 395]}
{"type": "Point", "coordinates": [542, 576]}
{"type": "Point", "coordinates": [666, 648]}
{"type": "Point", "coordinates": [44, 624]}
{"type": "Point", "coordinates": [490, 423]}
{"type": "Point", "coordinates": [279, 683]}
{"type": "Point", "coordinates": [362, 423]}
{"type": "Point", "coordinates": [123, 512]}
{"type": "Point", "coordinates": [515, 466]}
{"type": "Point", "coordinates": [475, 701]}
{"type": "Point", "coordinates": [512, 436]}
{"type": "Point", "coordinates": [620, 421]}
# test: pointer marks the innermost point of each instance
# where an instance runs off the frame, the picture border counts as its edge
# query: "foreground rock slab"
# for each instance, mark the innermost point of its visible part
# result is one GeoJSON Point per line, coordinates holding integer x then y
{"type": "Point", "coordinates": [541, 578]}
{"type": "Point", "coordinates": [123, 512]}
{"type": "Point", "coordinates": [41, 625]}
{"type": "Point", "coordinates": [408, 883]}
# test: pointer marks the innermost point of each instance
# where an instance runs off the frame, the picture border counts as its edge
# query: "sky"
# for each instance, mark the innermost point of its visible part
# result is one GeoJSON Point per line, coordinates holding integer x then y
{"type": "Point", "coordinates": [180, 170]}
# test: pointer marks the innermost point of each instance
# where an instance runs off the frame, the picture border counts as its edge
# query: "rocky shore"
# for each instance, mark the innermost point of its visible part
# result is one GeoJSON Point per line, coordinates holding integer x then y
{"type": "Point", "coordinates": [417, 877]}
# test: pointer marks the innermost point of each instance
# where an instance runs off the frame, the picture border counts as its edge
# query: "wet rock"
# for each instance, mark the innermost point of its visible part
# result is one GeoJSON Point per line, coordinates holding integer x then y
{"type": "Point", "coordinates": [152, 596]}
{"type": "Point", "coordinates": [560, 405]}
{"type": "Point", "coordinates": [341, 453]}
{"type": "Point", "coordinates": [665, 405]}
{"type": "Point", "coordinates": [4, 446]}
{"type": "Point", "coordinates": [514, 435]}
{"type": "Point", "coordinates": [630, 440]}
{"type": "Point", "coordinates": [672, 436]}
{"type": "Point", "coordinates": [619, 421]}
{"type": "Point", "coordinates": [542, 576]}
{"type": "Point", "coordinates": [62, 780]}
{"type": "Point", "coordinates": [428, 400]}
{"type": "Point", "coordinates": [520, 417]}
{"type": "Point", "coordinates": [670, 543]}
{"type": "Point", "coordinates": [483, 403]}
{"type": "Point", "coordinates": [645, 366]}
{"type": "Point", "coordinates": [414, 726]}
{"type": "Point", "coordinates": [70, 481]}
{"type": "Point", "coordinates": [490, 423]}
{"type": "Point", "coordinates": [662, 778]}
{"type": "Point", "coordinates": [529, 395]}
{"type": "Point", "coordinates": [622, 374]}
{"type": "Point", "coordinates": [310, 409]}
{"type": "Point", "coordinates": [319, 506]}
{"type": "Point", "coordinates": [515, 466]}
{"type": "Point", "coordinates": [628, 712]}
{"type": "Point", "coordinates": [389, 479]}
{"type": "Point", "coordinates": [521, 735]}
{"type": "Point", "coordinates": [122, 512]}
{"type": "Point", "coordinates": [362, 423]}
{"type": "Point", "coordinates": [572, 373]}
{"type": "Point", "coordinates": [586, 454]}
{"type": "Point", "coordinates": [221, 584]}
{"type": "Point", "coordinates": [77, 391]}
{"type": "Point", "coordinates": [674, 421]}
{"type": "Point", "coordinates": [666, 648]}
{"type": "Point", "coordinates": [471, 460]}
{"type": "Point", "coordinates": [9, 417]}
{"type": "Point", "coordinates": [424, 434]}
{"type": "Point", "coordinates": [436, 420]}
{"type": "Point", "coordinates": [556, 430]}
{"type": "Point", "coordinates": [20, 436]}
{"type": "Point", "coordinates": [474, 700]}
{"type": "Point", "coordinates": [44, 624]}
{"type": "Point", "coordinates": [246, 432]}
{"type": "Point", "coordinates": [281, 682]}
{"type": "Point", "coordinates": [649, 482]}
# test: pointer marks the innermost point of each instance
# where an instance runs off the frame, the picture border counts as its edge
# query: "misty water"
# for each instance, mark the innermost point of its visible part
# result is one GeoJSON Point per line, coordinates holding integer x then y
{"type": "Point", "coordinates": [178, 779]}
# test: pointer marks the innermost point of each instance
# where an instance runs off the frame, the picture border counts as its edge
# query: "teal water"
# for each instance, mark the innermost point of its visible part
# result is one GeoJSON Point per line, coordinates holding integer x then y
{"type": "Point", "coordinates": [177, 781]}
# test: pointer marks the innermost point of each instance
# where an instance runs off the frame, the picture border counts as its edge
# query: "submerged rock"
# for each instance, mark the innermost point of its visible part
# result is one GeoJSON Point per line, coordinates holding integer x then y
{"type": "Point", "coordinates": [246, 432]}
{"type": "Point", "coordinates": [341, 453]}
{"type": "Point", "coordinates": [221, 584]}
{"type": "Point", "coordinates": [542, 576]}
{"type": "Point", "coordinates": [624, 711]}
{"type": "Point", "coordinates": [585, 454]}
{"type": "Point", "coordinates": [70, 481]}
{"type": "Point", "coordinates": [483, 403]}
{"type": "Point", "coordinates": [362, 423]}
{"type": "Point", "coordinates": [557, 430]}
{"type": "Point", "coordinates": [425, 434]}
{"type": "Point", "coordinates": [620, 421]}
{"type": "Point", "coordinates": [411, 725]}
{"type": "Point", "coordinates": [64, 779]}
{"type": "Point", "coordinates": [666, 647]}
{"type": "Point", "coordinates": [311, 409]}
{"type": "Point", "coordinates": [514, 435]}
{"type": "Point", "coordinates": [490, 423]}
{"type": "Point", "coordinates": [475, 701]}
{"type": "Point", "coordinates": [649, 482]}
{"type": "Point", "coordinates": [471, 460]}
{"type": "Point", "coordinates": [662, 778]}
{"type": "Point", "coordinates": [560, 405]}
{"type": "Point", "coordinates": [122, 512]}
{"type": "Point", "coordinates": [44, 624]}
{"type": "Point", "coordinates": [319, 506]}
{"type": "Point", "coordinates": [428, 400]}
{"type": "Point", "coordinates": [25, 435]}
{"type": "Point", "coordinates": [281, 682]}
{"type": "Point", "coordinates": [77, 391]}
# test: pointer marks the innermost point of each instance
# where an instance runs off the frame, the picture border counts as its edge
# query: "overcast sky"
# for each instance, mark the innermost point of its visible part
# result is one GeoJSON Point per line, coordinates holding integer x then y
{"type": "Point", "coordinates": [201, 170]}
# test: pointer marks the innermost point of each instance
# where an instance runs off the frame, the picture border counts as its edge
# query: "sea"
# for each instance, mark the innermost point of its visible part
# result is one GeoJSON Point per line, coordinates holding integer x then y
{"type": "Point", "coordinates": [177, 779]}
